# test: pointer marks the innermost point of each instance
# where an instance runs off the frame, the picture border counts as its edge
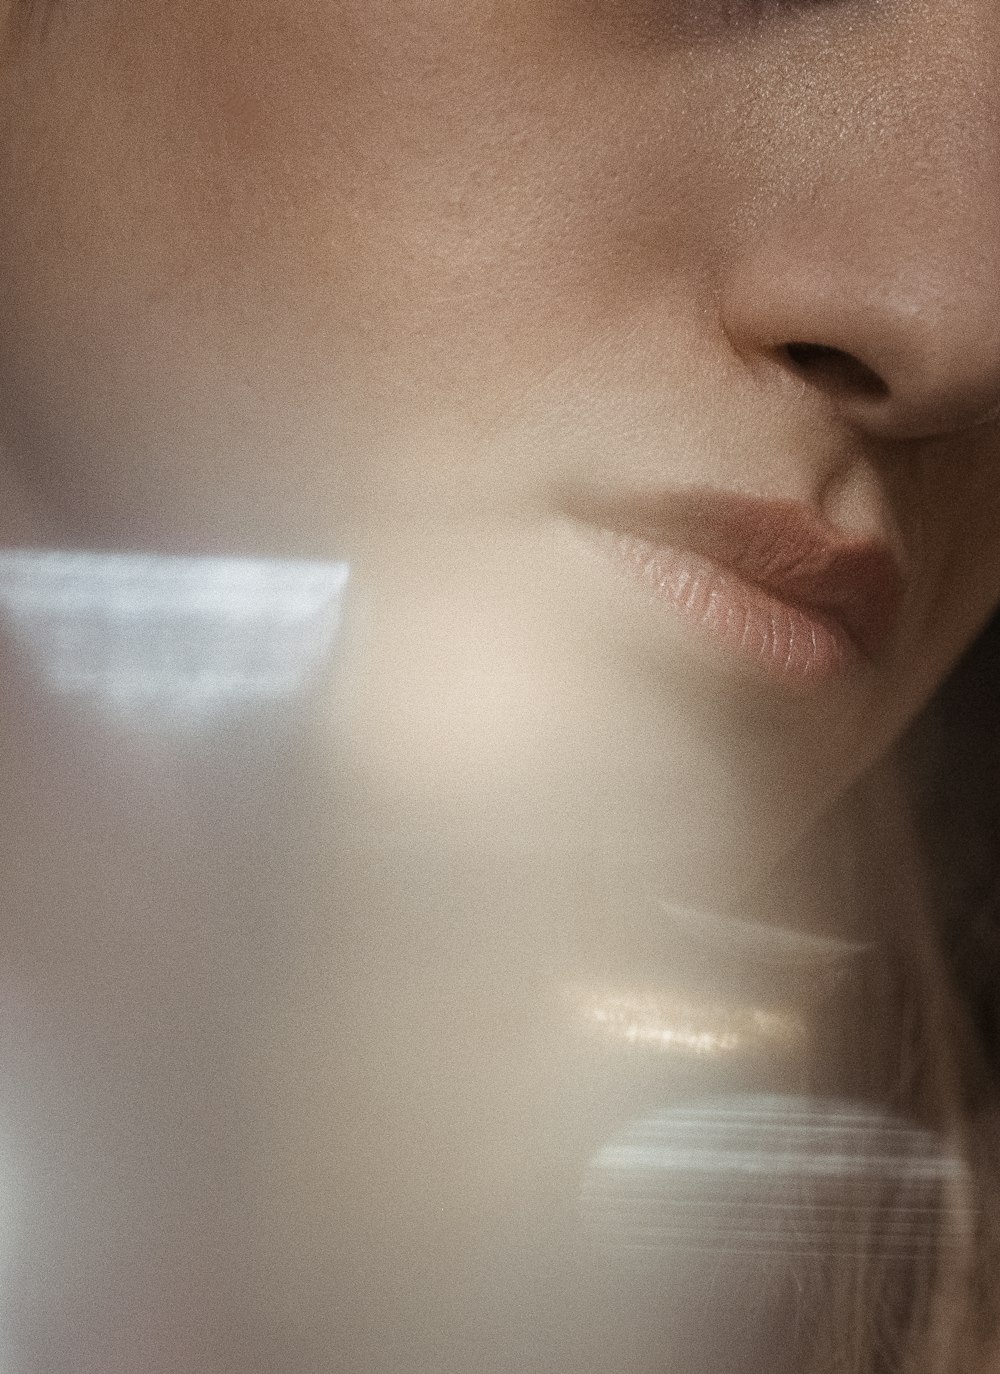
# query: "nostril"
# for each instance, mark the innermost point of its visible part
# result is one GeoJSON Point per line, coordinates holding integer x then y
{"type": "Point", "coordinates": [834, 370]}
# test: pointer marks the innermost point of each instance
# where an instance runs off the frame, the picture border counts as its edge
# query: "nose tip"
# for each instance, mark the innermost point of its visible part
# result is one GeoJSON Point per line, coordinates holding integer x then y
{"type": "Point", "coordinates": [918, 361]}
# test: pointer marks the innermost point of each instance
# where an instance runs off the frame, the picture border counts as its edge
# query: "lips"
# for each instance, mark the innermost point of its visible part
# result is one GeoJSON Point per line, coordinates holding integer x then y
{"type": "Point", "coordinates": [771, 580]}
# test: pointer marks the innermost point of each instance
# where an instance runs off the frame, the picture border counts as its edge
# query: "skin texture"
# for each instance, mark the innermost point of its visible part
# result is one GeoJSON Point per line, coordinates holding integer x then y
{"type": "Point", "coordinates": [382, 281]}
{"type": "Point", "coordinates": [251, 300]}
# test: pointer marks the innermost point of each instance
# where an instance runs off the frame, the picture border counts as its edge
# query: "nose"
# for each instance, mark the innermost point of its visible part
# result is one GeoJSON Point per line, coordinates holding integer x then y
{"type": "Point", "coordinates": [901, 339]}
{"type": "Point", "coordinates": [871, 277]}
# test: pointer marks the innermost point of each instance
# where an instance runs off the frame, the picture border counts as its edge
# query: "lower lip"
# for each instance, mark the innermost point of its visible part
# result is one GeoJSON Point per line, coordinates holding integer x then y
{"type": "Point", "coordinates": [774, 638]}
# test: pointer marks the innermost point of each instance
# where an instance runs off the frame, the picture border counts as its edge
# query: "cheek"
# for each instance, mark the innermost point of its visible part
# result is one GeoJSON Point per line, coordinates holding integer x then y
{"type": "Point", "coordinates": [959, 547]}
{"type": "Point", "coordinates": [207, 234]}
{"type": "Point", "coordinates": [949, 507]}
{"type": "Point", "coordinates": [412, 208]}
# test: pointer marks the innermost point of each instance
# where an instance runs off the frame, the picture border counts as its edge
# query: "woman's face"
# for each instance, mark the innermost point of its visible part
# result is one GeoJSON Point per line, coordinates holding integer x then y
{"type": "Point", "coordinates": [641, 358]}
{"type": "Point", "coordinates": [450, 290]}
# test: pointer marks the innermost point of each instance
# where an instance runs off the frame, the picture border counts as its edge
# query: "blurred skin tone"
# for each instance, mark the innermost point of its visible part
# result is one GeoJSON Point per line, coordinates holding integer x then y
{"type": "Point", "coordinates": [404, 284]}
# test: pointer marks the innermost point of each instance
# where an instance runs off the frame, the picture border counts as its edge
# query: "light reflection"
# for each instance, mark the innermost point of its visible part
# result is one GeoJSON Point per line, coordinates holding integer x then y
{"type": "Point", "coordinates": [757, 1175]}
{"type": "Point", "coordinates": [686, 1026]}
{"type": "Point", "coordinates": [149, 636]}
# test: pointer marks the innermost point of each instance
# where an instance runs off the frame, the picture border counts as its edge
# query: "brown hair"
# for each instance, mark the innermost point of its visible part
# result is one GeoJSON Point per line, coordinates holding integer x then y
{"type": "Point", "coordinates": [951, 763]}
{"type": "Point", "coordinates": [920, 1032]}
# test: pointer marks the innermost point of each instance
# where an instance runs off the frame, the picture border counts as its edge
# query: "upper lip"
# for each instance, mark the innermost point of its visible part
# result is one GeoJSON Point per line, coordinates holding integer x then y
{"type": "Point", "coordinates": [782, 546]}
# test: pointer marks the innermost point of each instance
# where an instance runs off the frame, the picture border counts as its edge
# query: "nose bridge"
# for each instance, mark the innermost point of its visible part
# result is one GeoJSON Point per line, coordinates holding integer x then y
{"type": "Point", "coordinates": [878, 278]}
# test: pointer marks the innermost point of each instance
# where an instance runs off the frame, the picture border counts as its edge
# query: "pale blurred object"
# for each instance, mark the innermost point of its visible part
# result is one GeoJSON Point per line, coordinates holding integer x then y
{"type": "Point", "coordinates": [774, 1175]}
{"type": "Point", "coordinates": [171, 640]}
